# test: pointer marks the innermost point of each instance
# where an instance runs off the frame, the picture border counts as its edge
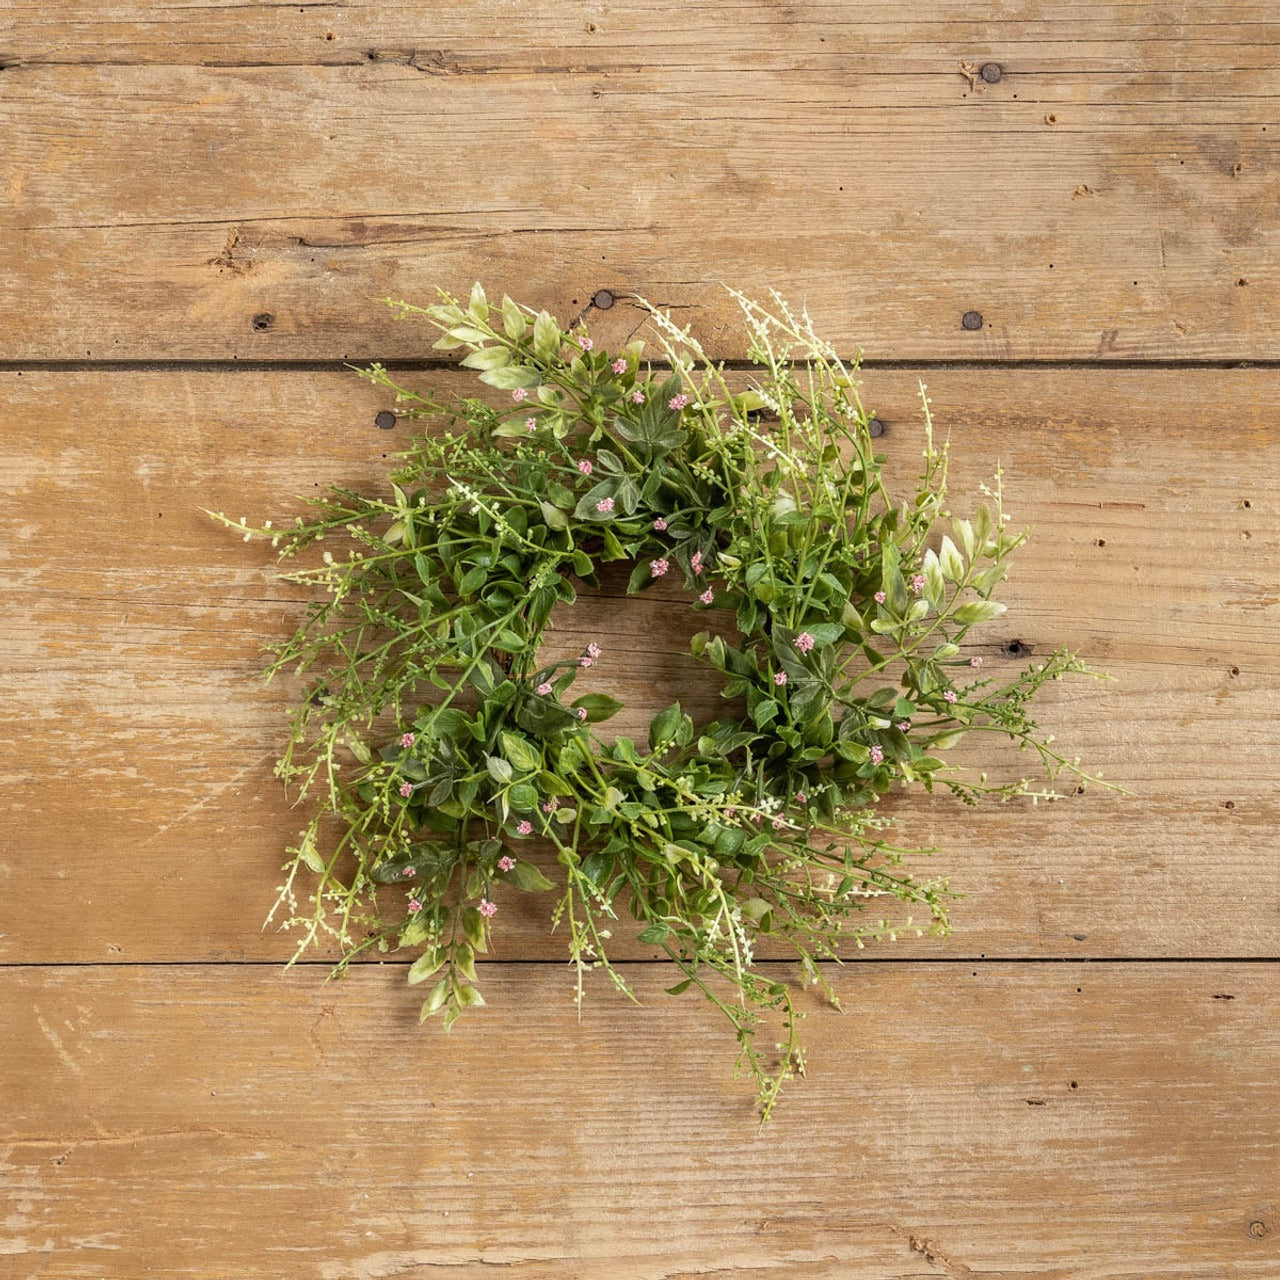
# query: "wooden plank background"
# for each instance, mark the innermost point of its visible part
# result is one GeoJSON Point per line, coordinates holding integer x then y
{"type": "Point", "coordinates": [200, 205]}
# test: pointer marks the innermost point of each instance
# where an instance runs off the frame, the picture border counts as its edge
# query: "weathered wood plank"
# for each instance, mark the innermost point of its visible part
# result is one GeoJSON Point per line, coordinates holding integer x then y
{"type": "Point", "coordinates": [747, 35]}
{"type": "Point", "coordinates": [1114, 195]}
{"type": "Point", "coordinates": [1090, 1122]}
{"type": "Point", "coordinates": [137, 739]}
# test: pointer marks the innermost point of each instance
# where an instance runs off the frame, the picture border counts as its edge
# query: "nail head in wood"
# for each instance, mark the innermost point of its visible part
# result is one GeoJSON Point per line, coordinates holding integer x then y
{"type": "Point", "coordinates": [991, 72]}
{"type": "Point", "coordinates": [971, 320]}
{"type": "Point", "coordinates": [384, 420]}
{"type": "Point", "coordinates": [603, 300]}
{"type": "Point", "coordinates": [263, 321]}
{"type": "Point", "coordinates": [875, 428]}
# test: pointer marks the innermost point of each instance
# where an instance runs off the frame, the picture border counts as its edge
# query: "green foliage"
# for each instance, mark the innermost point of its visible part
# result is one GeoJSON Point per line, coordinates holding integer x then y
{"type": "Point", "coordinates": [433, 744]}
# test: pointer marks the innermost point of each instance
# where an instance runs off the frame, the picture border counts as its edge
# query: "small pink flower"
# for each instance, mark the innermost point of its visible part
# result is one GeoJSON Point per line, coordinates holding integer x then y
{"type": "Point", "coordinates": [778, 824]}
{"type": "Point", "coordinates": [544, 688]}
{"type": "Point", "coordinates": [410, 872]}
{"type": "Point", "coordinates": [520, 394]}
{"type": "Point", "coordinates": [975, 662]}
{"type": "Point", "coordinates": [530, 424]}
{"type": "Point", "coordinates": [605, 504]}
{"type": "Point", "coordinates": [585, 466]}
{"type": "Point", "coordinates": [801, 797]}
{"type": "Point", "coordinates": [695, 562]}
{"type": "Point", "coordinates": [585, 343]}
{"type": "Point", "coordinates": [637, 396]}
{"type": "Point", "coordinates": [658, 567]}
{"type": "Point", "coordinates": [904, 725]}
{"type": "Point", "coordinates": [550, 806]}
{"type": "Point", "coordinates": [619, 365]}
{"type": "Point", "coordinates": [779, 678]}
{"type": "Point", "coordinates": [487, 908]}
{"type": "Point", "coordinates": [880, 597]}
{"type": "Point", "coordinates": [506, 862]}
{"type": "Point", "coordinates": [950, 695]}
{"type": "Point", "coordinates": [593, 650]}
{"type": "Point", "coordinates": [678, 402]}
{"type": "Point", "coordinates": [414, 905]}
{"type": "Point", "coordinates": [524, 827]}
{"type": "Point", "coordinates": [804, 642]}
{"type": "Point", "coordinates": [660, 524]}
{"type": "Point", "coordinates": [406, 789]}
{"type": "Point", "coordinates": [707, 596]}
{"type": "Point", "coordinates": [407, 739]}
{"type": "Point", "coordinates": [581, 713]}
{"type": "Point", "coordinates": [586, 661]}
{"type": "Point", "coordinates": [877, 755]}
{"type": "Point", "coordinates": [917, 582]}
{"type": "Point", "coordinates": [729, 812]}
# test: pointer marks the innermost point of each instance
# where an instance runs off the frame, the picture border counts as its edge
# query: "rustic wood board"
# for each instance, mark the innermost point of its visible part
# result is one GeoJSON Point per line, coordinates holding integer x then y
{"type": "Point", "coordinates": [138, 738]}
{"type": "Point", "coordinates": [1059, 1121]}
{"type": "Point", "coordinates": [226, 181]}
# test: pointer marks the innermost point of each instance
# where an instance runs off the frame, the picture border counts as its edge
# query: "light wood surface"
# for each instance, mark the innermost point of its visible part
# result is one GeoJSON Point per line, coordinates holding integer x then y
{"type": "Point", "coordinates": [1071, 1121]}
{"type": "Point", "coordinates": [176, 171]}
{"type": "Point", "coordinates": [201, 204]}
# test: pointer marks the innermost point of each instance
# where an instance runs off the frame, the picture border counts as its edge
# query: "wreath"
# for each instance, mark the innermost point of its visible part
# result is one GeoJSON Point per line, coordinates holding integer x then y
{"type": "Point", "coordinates": [443, 756]}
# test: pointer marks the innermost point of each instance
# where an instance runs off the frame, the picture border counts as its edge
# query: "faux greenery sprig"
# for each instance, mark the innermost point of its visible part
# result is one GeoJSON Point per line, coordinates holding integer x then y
{"type": "Point", "coordinates": [446, 749]}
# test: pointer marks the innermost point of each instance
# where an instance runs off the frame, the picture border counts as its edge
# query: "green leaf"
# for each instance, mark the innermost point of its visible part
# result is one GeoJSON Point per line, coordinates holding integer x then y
{"type": "Point", "coordinates": [436, 1000]}
{"type": "Point", "coordinates": [499, 770]}
{"type": "Point", "coordinates": [478, 305]}
{"type": "Point", "coordinates": [655, 935]}
{"type": "Point", "coordinates": [978, 611]}
{"type": "Point", "coordinates": [546, 335]}
{"type": "Point", "coordinates": [511, 377]}
{"type": "Point", "coordinates": [486, 358]}
{"type": "Point", "coordinates": [555, 518]}
{"type": "Point", "coordinates": [951, 561]}
{"type": "Point", "coordinates": [425, 965]}
{"type": "Point", "coordinates": [469, 997]}
{"type": "Point", "coordinates": [663, 726]}
{"type": "Point", "coordinates": [526, 877]}
{"type": "Point", "coordinates": [520, 753]}
{"type": "Point", "coordinates": [934, 586]}
{"type": "Point", "coordinates": [599, 706]}
{"type": "Point", "coordinates": [513, 319]}
{"type": "Point", "coordinates": [765, 711]}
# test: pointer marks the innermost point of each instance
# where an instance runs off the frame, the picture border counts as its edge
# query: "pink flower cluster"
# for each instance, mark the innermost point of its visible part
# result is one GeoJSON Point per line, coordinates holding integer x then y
{"type": "Point", "coordinates": [779, 678]}
{"type": "Point", "coordinates": [593, 650]}
{"type": "Point", "coordinates": [585, 466]}
{"type": "Point", "coordinates": [520, 395]}
{"type": "Point", "coordinates": [544, 688]}
{"type": "Point", "coordinates": [678, 402]}
{"type": "Point", "coordinates": [605, 504]}
{"type": "Point", "coordinates": [506, 862]}
{"type": "Point", "coordinates": [804, 642]}
{"type": "Point", "coordinates": [660, 524]}
{"type": "Point", "coordinates": [524, 827]}
{"type": "Point", "coordinates": [487, 908]}
{"type": "Point", "coordinates": [619, 365]}
{"type": "Point", "coordinates": [637, 396]}
{"type": "Point", "coordinates": [406, 789]}
{"type": "Point", "coordinates": [407, 739]}
{"type": "Point", "coordinates": [585, 343]}
{"type": "Point", "coordinates": [880, 597]}
{"type": "Point", "coordinates": [950, 695]}
{"type": "Point", "coordinates": [877, 754]}
{"type": "Point", "coordinates": [708, 596]}
{"type": "Point", "coordinates": [695, 562]}
{"type": "Point", "coordinates": [917, 582]}
{"type": "Point", "coordinates": [658, 567]}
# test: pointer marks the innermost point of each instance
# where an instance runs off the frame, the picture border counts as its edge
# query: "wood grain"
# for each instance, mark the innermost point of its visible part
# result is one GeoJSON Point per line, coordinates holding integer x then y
{"type": "Point", "coordinates": [137, 743]}
{"type": "Point", "coordinates": [177, 172]}
{"type": "Point", "coordinates": [1063, 1122]}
